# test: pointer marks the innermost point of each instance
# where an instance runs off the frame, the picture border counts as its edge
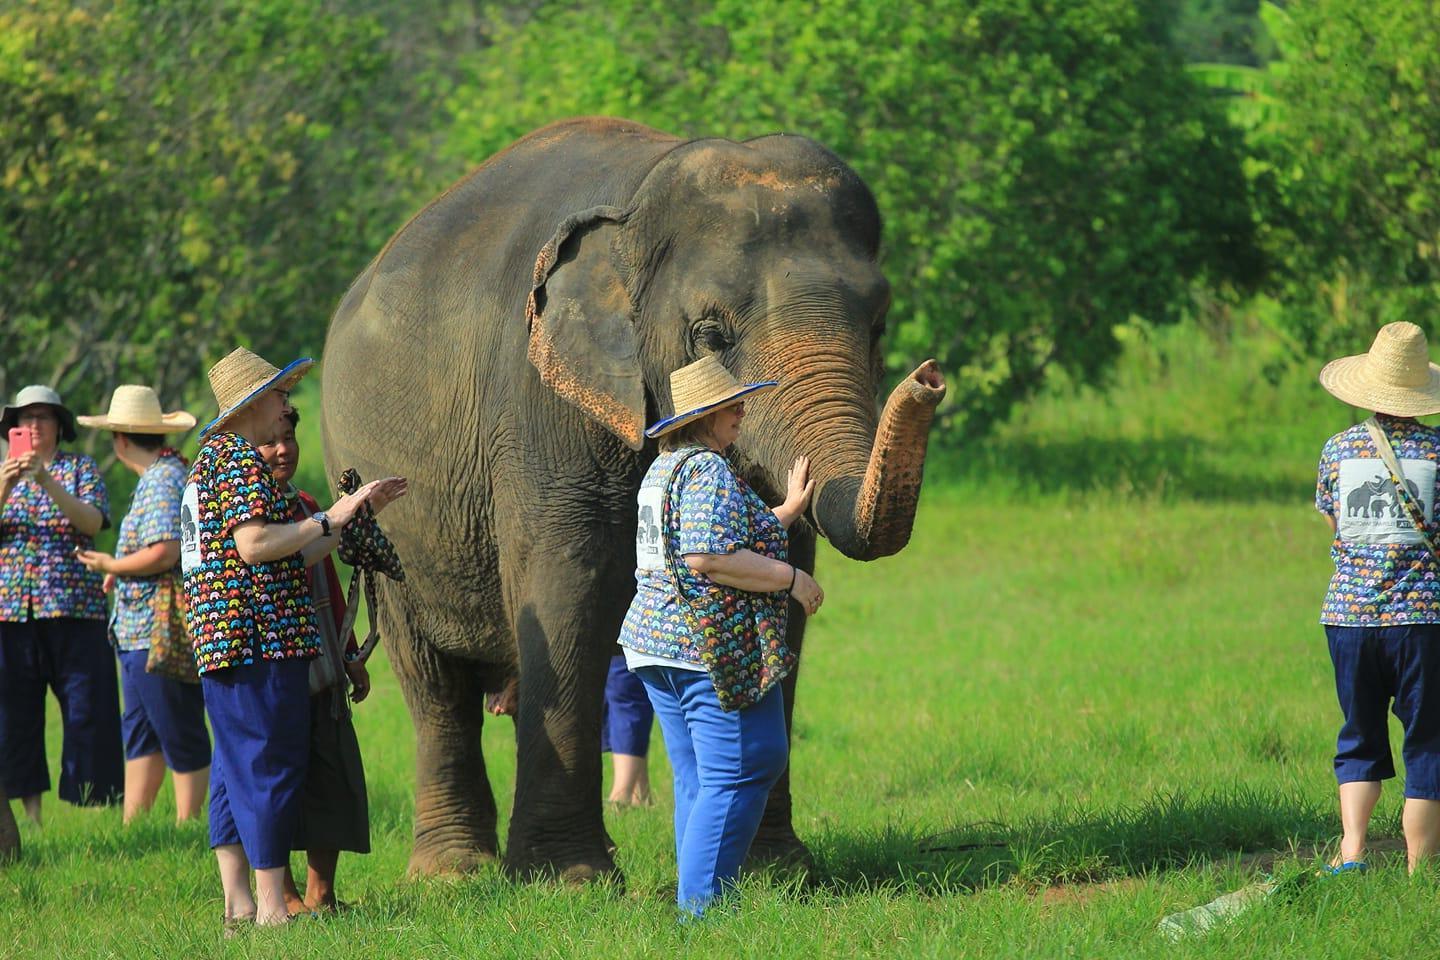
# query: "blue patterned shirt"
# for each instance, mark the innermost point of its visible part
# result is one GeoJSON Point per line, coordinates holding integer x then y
{"type": "Point", "coordinates": [154, 517]}
{"type": "Point", "coordinates": [39, 575]}
{"type": "Point", "coordinates": [714, 512]}
{"type": "Point", "coordinates": [1384, 574]}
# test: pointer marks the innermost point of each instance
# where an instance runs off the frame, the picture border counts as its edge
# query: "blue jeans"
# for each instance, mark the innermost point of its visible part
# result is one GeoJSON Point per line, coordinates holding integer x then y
{"type": "Point", "coordinates": [725, 765]}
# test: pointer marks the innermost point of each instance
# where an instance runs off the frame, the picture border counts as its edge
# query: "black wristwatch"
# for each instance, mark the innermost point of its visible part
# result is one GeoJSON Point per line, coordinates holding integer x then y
{"type": "Point", "coordinates": [324, 522]}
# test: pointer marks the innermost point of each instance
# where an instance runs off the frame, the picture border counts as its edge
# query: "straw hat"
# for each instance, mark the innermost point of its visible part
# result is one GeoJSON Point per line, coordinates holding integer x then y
{"type": "Point", "coordinates": [1395, 377]}
{"type": "Point", "coordinates": [136, 409]}
{"type": "Point", "coordinates": [241, 377]}
{"type": "Point", "coordinates": [699, 388]}
{"type": "Point", "coordinates": [32, 395]}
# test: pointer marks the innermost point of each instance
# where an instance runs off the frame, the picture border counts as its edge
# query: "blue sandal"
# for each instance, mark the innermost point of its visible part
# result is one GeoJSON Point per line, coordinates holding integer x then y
{"type": "Point", "coordinates": [1357, 866]}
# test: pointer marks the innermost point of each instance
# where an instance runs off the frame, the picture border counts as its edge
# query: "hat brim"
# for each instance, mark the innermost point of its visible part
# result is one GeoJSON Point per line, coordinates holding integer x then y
{"type": "Point", "coordinates": [10, 417]}
{"type": "Point", "coordinates": [169, 423]}
{"type": "Point", "coordinates": [662, 427]}
{"type": "Point", "coordinates": [283, 380]}
{"type": "Point", "coordinates": [1348, 379]}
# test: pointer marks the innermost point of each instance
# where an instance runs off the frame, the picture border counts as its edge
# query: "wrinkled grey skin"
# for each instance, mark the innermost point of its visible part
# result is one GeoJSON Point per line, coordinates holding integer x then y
{"type": "Point", "coordinates": [505, 350]}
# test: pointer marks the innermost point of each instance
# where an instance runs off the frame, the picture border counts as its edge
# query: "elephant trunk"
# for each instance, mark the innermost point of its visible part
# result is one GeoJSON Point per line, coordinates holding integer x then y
{"type": "Point", "coordinates": [869, 513]}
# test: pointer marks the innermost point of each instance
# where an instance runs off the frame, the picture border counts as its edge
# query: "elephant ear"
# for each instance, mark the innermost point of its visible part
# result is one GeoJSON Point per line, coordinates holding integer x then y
{"type": "Point", "coordinates": [582, 335]}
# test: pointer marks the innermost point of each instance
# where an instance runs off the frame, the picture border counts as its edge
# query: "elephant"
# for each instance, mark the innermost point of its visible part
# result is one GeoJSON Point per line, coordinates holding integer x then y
{"type": "Point", "coordinates": [505, 350]}
{"type": "Point", "coordinates": [1361, 499]}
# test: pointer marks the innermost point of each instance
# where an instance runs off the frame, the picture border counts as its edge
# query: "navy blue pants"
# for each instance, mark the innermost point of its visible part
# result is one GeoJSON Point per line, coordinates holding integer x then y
{"type": "Point", "coordinates": [725, 765]}
{"type": "Point", "coordinates": [260, 717]}
{"type": "Point", "coordinates": [73, 658]}
{"type": "Point", "coordinates": [625, 728]}
{"type": "Point", "coordinates": [1373, 667]}
{"type": "Point", "coordinates": [162, 716]}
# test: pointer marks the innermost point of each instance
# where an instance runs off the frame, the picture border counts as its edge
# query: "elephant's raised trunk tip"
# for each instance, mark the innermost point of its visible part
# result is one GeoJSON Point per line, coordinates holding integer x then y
{"type": "Point", "coordinates": [871, 516]}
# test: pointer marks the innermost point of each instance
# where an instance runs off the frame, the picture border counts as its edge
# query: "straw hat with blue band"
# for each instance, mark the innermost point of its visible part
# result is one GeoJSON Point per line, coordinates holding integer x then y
{"type": "Point", "coordinates": [241, 377]}
{"type": "Point", "coordinates": [701, 388]}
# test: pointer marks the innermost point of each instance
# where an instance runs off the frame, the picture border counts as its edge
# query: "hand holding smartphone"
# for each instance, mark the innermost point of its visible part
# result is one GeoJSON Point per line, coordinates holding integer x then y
{"type": "Point", "coordinates": [20, 443]}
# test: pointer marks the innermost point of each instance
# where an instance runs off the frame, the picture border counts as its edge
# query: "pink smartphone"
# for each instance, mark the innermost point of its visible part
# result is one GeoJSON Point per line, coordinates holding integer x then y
{"type": "Point", "coordinates": [19, 443]}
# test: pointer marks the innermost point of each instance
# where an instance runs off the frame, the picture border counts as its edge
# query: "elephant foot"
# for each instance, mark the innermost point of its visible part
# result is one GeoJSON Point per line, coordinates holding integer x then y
{"type": "Point", "coordinates": [448, 861]}
{"type": "Point", "coordinates": [596, 868]}
{"type": "Point", "coordinates": [784, 854]}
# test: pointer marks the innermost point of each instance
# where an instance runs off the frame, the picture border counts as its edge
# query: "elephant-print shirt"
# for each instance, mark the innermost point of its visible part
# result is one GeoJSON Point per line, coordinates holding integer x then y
{"type": "Point", "coordinates": [237, 611]}
{"type": "Point", "coordinates": [154, 517]}
{"type": "Point", "coordinates": [715, 512]}
{"type": "Point", "coordinates": [1384, 574]}
{"type": "Point", "coordinates": [39, 575]}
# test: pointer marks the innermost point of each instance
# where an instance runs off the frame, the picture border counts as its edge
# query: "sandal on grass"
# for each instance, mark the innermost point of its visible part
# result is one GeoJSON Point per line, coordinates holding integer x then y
{"type": "Point", "coordinates": [1349, 866]}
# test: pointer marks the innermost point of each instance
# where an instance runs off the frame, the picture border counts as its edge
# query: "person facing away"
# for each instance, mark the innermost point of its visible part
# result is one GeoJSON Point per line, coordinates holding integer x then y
{"type": "Point", "coordinates": [1382, 610]}
{"type": "Point", "coordinates": [254, 627]}
{"type": "Point", "coordinates": [164, 719]}
{"type": "Point", "coordinates": [721, 547]}
{"type": "Point", "coordinates": [335, 813]}
{"type": "Point", "coordinates": [52, 612]}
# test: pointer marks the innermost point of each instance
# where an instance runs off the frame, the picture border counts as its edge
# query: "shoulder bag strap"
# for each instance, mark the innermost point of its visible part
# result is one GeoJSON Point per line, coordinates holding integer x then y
{"type": "Point", "coordinates": [665, 510]}
{"type": "Point", "coordinates": [1402, 493]}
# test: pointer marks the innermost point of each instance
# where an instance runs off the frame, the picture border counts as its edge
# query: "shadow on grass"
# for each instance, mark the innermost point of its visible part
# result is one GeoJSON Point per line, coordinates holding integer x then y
{"type": "Point", "coordinates": [1170, 467]}
{"type": "Point", "coordinates": [1167, 832]}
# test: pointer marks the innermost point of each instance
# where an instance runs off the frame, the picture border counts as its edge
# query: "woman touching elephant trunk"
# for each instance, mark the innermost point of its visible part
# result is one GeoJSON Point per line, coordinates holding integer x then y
{"type": "Point", "coordinates": [706, 631]}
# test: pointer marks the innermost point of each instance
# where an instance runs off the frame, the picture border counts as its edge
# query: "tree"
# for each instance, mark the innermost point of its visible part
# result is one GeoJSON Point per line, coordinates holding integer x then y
{"type": "Point", "coordinates": [1046, 168]}
{"type": "Point", "coordinates": [1348, 168]}
{"type": "Point", "coordinates": [180, 178]}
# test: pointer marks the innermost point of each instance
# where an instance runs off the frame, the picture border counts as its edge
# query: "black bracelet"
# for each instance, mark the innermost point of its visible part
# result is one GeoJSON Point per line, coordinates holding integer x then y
{"type": "Point", "coordinates": [793, 570]}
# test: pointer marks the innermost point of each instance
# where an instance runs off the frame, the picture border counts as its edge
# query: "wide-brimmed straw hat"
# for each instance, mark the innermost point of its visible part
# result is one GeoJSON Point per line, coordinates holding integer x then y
{"type": "Point", "coordinates": [241, 377]}
{"type": "Point", "coordinates": [1395, 377]}
{"type": "Point", "coordinates": [699, 388]}
{"type": "Point", "coordinates": [31, 395]}
{"type": "Point", "coordinates": [136, 409]}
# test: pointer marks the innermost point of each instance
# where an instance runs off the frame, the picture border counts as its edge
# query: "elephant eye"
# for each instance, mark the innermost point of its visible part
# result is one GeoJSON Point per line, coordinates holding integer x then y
{"type": "Point", "coordinates": [711, 335]}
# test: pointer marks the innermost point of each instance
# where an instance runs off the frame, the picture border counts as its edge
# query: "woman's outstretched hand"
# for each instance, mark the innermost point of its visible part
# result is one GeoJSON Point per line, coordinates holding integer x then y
{"type": "Point", "coordinates": [378, 493]}
{"type": "Point", "coordinates": [799, 488]}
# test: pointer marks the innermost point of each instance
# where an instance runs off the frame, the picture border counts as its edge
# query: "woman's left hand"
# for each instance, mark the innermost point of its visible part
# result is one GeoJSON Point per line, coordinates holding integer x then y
{"type": "Point", "coordinates": [359, 680]}
{"type": "Point", "coordinates": [798, 485]}
{"type": "Point", "coordinates": [95, 560]}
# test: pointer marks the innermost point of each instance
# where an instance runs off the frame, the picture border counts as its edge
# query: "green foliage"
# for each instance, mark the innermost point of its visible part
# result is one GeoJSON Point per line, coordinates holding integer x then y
{"type": "Point", "coordinates": [180, 178]}
{"type": "Point", "coordinates": [1220, 31]}
{"type": "Point", "coordinates": [1047, 170]}
{"type": "Point", "coordinates": [1344, 157]}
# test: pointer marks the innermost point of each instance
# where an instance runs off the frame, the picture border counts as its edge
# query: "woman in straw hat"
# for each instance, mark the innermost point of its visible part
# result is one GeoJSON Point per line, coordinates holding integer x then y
{"type": "Point", "coordinates": [706, 631]}
{"type": "Point", "coordinates": [52, 612]}
{"type": "Point", "coordinates": [1382, 610]}
{"type": "Point", "coordinates": [254, 625]}
{"type": "Point", "coordinates": [164, 720]}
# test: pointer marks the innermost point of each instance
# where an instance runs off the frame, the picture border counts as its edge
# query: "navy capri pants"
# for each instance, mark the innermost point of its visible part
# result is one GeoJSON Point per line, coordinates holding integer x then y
{"type": "Point", "coordinates": [72, 657]}
{"type": "Point", "coordinates": [1395, 668]}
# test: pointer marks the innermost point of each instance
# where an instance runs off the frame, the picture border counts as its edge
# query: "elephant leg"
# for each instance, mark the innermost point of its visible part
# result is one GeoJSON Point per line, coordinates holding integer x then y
{"type": "Point", "coordinates": [775, 842]}
{"type": "Point", "coordinates": [565, 632]}
{"type": "Point", "coordinates": [455, 814]}
{"type": "Point", "coordinates": [9, 832]}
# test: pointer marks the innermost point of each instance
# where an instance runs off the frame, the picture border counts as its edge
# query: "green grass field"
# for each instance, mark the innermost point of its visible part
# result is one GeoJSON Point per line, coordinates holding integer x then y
{"type": "Point", "coordinates": [1089, 688]}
